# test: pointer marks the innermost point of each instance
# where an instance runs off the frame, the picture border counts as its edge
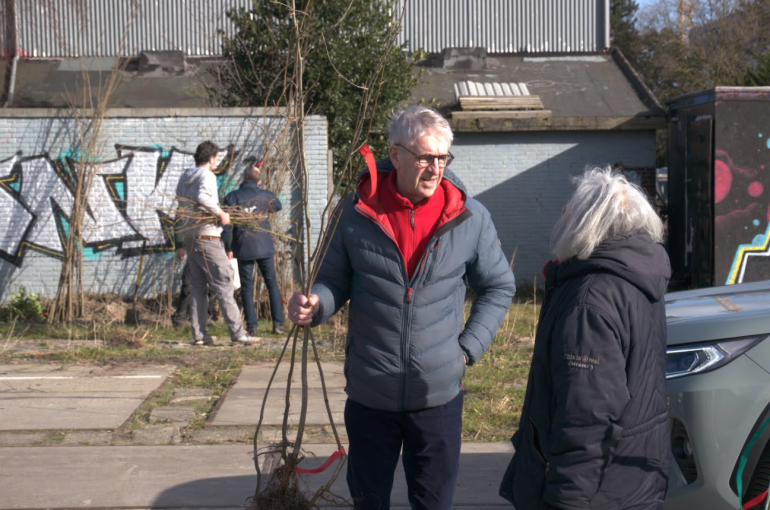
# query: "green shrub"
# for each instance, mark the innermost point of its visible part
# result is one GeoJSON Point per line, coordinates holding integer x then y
{"type": "Point", "coordinates": [23, 307]}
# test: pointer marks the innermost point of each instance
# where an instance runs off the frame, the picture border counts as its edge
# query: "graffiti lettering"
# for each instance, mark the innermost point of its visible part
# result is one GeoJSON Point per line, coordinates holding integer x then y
{"type": "Point", "coordinates": [130, 203]}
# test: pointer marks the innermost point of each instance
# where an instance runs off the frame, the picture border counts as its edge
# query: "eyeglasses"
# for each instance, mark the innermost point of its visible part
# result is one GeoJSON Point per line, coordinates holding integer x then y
{"type": "Point", "coordinates": [444, 160]}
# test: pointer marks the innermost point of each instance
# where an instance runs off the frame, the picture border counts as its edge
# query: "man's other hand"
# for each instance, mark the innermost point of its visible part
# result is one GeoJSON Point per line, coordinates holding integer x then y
{"type": "Point", "coordinates": [224, 218]}
{"type": "Point", "coordinates": [302, 308]}
{"type": "Point", "coordinates": [230, 255]}
{"type": "Point", "coordinates": [180, 253]}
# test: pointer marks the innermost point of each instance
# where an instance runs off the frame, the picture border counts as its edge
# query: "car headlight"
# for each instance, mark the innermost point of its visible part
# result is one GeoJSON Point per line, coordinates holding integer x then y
{"type": "Point", "coordinates": [696, 359]}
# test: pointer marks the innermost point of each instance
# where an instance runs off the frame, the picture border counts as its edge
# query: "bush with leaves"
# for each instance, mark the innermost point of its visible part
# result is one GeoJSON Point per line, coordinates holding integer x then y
{"type": "Point", "coordinates": [624, 33]}
{"type": "Point", "coordinates": [346, 43]}
{"type": "Point", "coordinates": [24, 307]}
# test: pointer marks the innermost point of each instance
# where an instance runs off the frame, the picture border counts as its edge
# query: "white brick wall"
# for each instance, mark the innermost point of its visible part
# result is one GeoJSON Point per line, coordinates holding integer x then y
{"type": "Point", "coordinates": [30, 234]}
{"type": "Point", "coordinates": [524, 180]}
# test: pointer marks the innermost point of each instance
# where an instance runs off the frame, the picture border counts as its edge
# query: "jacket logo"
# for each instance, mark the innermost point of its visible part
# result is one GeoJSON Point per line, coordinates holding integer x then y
{"type": "Point", "coordinates": [581, 362]}
{"type": "Point", "coordinates": [251, 210]}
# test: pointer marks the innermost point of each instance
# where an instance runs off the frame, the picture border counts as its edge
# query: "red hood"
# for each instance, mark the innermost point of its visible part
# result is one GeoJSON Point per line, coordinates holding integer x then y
{"type": "Point", "coordinates": [455, 198]}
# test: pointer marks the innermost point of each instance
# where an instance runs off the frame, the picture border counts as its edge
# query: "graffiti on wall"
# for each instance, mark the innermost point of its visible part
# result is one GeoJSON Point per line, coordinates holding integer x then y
{"type": "Point", "coordinates": [130, 202]}
{"type": "Point", "coordinates": [742, 220]}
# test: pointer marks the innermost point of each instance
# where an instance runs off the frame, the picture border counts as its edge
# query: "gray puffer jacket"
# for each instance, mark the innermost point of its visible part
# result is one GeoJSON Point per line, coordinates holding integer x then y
{"type": "Point", "coordinates": [406, 338]}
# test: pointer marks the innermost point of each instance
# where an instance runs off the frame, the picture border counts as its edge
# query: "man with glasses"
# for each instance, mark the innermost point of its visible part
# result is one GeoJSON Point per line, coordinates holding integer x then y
{"type": "Point", "coordinates": [405, 245]}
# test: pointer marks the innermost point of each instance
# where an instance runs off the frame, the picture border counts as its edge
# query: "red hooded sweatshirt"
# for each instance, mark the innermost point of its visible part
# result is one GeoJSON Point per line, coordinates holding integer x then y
{"type": "Point", "coordinates": [410, 225]}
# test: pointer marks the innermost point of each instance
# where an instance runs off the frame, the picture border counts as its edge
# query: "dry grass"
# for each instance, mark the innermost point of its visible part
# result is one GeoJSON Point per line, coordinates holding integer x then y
{"type": "Point", "coordinates": [132, 339]}
{"type": "Point", "coordinates": [494, 386]}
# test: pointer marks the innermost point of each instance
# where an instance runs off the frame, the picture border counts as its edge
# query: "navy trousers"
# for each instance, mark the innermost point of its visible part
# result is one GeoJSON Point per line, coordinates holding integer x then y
{"type": "Point", "coordinates": [431, 441]}
{"type": "Point", "coordinates": [246, 274]}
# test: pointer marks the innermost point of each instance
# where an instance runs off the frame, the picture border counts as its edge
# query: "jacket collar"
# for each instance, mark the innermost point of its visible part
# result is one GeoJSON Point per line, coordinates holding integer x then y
{"type": "Point", "coordinates": [454, 189]}
{"type": "Point", "coordinates": [634, 258]}
{"type": "Point", "coordinates": [249, 185]}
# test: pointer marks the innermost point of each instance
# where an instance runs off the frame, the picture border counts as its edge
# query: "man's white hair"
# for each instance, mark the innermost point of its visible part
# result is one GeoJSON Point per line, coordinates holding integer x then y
{"type": "Point", "coordinates": [408, 125]}
{"type": "Point", "coordinates": [604, 205]}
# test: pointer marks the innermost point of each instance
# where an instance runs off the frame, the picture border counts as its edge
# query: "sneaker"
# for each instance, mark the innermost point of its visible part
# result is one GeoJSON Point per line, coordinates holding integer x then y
{"type": "Point", "coordinates": [253, 331]}
{"type": "Point", "coordinates": [206, 340]}
{"type": "Point", "coordinates": [278, 329]}
{"type": "Point", "coordinates": [246, 340]}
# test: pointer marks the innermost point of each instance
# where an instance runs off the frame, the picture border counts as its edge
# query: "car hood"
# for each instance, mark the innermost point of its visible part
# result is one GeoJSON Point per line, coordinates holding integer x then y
{"type": "Point", "coordinates": [718, 313]}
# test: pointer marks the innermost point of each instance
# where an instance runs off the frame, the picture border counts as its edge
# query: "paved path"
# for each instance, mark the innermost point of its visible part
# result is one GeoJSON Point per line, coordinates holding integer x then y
{"type": "Point", "coordinates": [41, 397]}
{"type": "Point", "coordinates": [193, 476]}
{"type": "Point", "coordinates": [35, 398]}
{"type": "Point", "coordinates": [243, 401]}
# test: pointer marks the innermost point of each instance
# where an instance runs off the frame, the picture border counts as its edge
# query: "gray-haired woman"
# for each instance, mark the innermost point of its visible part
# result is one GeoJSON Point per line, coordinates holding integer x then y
{"type": "Point", "coordinates": [594, 427]}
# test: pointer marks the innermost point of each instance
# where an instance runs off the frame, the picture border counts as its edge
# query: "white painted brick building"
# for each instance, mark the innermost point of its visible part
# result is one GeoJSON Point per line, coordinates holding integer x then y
{"type": "Point", "coordinates": [133, 185]}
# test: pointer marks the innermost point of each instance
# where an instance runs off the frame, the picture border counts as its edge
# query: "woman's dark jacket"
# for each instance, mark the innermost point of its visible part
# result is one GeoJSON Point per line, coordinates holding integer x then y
{"type": "Point", "coordinates": [594, 426]}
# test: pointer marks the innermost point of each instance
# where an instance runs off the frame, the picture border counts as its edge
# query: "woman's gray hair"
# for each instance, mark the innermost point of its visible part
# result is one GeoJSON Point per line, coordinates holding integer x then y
{"type": "Point", "coordinates": [408, 125]}
{"type": "Point", "coordinates": [604, 205]}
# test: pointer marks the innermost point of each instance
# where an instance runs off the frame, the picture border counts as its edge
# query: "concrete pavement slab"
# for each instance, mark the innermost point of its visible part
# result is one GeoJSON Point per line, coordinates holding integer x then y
{"type": "Point", "coordinates": [75, 378]}
{"type": "Point", "coordinates": [176, 477]}
{"type": "Point", "coordinates": [242, 404]}
{"type": "Point", "coordinates": [257, 376]}
{"type": "Point", "coordinates": [242, 407]}
{"type": "Point", "coordinates": [42, 397]}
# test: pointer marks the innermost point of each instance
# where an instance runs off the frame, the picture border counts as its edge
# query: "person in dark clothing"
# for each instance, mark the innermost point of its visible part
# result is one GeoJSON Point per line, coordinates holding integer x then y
{"type": "Point", "coordinates": [255, 246]}
{"type": "Point", "coordinates": [181, 316]}
{"type": "Point", "coordinates": [594, 425]}
{"type": "Point", "coordinates": [407, 242]}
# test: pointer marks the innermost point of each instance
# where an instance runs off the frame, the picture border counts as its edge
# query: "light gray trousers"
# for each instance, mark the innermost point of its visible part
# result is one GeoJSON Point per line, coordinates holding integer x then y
{"type": "Point", "coordinates": [210, 267]}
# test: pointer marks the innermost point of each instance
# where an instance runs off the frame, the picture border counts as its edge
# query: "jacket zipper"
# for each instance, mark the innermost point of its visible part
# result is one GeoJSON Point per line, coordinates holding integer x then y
{"type": "Point", "coordinates": [407, 317]}
{"type": "Point", "coordinates": [405, 341]}
{"type": "Point", "coordinates": [409, 296]}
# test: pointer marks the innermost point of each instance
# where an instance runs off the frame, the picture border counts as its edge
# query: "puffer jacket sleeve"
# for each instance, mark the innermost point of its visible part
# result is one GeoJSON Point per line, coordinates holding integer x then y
{"type": "Point", "coordinates": [332, 285]}
{"type": "Point", "coordinates": [490, 276]}
{"type": "Point", "coordinates": [589, 384]}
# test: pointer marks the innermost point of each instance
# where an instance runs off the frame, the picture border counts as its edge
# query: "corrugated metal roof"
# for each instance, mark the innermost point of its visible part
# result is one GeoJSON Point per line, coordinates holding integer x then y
{"type": "Point", "coordinates": [507, 26]}
{"type": "Point", "coordinates": [4, 48]}
{"type": "Point", "coordinates": [95, 28]}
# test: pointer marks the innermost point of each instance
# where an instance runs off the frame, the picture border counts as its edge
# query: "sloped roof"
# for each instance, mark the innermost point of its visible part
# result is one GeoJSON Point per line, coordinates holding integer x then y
{"type": "Point", "coordinates": [588, 92]}
{"type": "Point", "coordinates": [579, 88]}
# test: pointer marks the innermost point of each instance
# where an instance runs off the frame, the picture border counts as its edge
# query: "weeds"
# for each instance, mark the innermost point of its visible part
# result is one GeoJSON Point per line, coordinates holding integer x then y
{"type": "Point", "coordinates": [494, 386]}
{"type": "Point", "coordinates": [23, 307]}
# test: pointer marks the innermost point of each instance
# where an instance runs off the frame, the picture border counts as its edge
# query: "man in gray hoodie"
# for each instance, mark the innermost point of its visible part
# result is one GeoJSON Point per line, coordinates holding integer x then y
{"type": "Point", "coordinates": [208, 263]}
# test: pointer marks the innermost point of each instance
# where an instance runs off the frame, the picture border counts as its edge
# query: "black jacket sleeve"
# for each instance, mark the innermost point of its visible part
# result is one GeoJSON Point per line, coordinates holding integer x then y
{"type": "Point", "coordinates": [227, 230]}
{"type": "Point", "coordinates": [227, 237]}
{"type": "Point", "coordinates": [589, 383]}
{"type": "Point", "coordinates": [274, 205]}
